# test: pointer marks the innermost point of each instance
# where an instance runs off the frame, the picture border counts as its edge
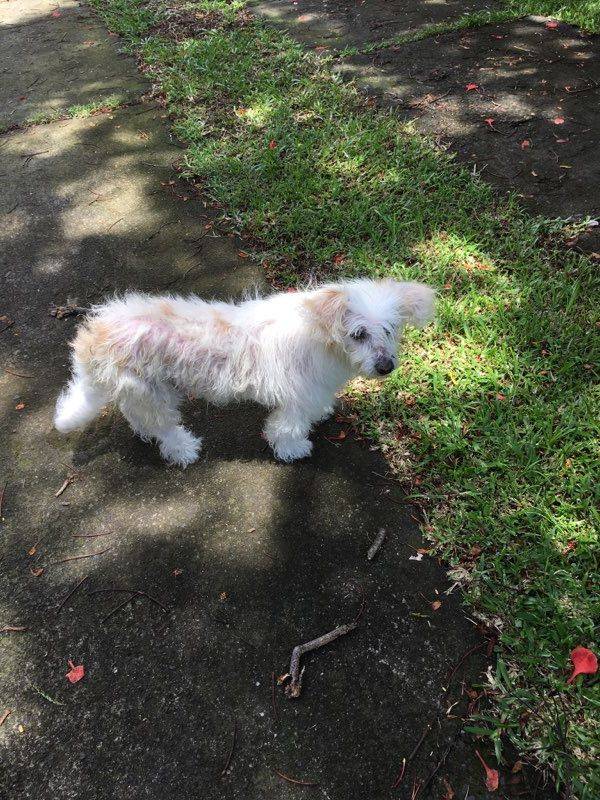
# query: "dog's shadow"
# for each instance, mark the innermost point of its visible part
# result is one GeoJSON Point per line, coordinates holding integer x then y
{"type": "Point", "coordinates": [231, 432]}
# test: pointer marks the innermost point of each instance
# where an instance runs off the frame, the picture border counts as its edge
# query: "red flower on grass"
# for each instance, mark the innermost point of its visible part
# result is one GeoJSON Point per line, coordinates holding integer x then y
{"type": "Point", "coordinates": [584, 663]}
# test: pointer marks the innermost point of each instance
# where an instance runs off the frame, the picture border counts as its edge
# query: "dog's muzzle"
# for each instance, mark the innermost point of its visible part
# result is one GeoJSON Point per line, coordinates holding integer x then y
{"type": "Point", "coordinates": [384, 366]}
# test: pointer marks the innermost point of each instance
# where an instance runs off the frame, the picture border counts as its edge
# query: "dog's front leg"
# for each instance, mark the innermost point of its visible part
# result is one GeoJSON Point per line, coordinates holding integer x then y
{"type": "Point", "coordinates": [287, 429]}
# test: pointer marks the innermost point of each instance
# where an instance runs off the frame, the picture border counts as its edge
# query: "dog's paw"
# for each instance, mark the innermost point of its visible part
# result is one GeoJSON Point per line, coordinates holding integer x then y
{"type": "Point", "coordinates": [180, 447]}
{"type": "Point", "coordinates": [327, 412]}
{"type": "Point", "coordinates": [292, 450]}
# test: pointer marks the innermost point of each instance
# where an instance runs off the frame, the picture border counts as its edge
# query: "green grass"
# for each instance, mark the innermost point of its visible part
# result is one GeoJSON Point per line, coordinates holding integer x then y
{"type": "Point", "coordinates": [99, 106]}
{"type": "Point", "coordinates": [492, 420]}
{"type": "Point", "coordinates": [585, 13]}
{"type": "Point", "coordinates": [472, 19]}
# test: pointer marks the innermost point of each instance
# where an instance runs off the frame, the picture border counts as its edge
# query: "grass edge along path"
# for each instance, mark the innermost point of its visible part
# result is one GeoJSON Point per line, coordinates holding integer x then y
{"type": "Point", "coordinates": [491, 420]}
{"type": "Point", "coordinates": [582, 13]}
{"type": "Point", "coordinates": [102, 105]}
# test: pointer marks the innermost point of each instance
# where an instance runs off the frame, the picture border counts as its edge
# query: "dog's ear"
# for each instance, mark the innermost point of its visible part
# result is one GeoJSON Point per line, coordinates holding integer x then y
{"type": "Point", "coordinates": [327, 307]}
{"type": "Point", "coordinates": [416, 302]}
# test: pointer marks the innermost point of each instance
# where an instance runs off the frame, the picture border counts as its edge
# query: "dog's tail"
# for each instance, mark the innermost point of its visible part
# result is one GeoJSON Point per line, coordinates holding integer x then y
{"type": "Point", "coordinates": [79, 403]}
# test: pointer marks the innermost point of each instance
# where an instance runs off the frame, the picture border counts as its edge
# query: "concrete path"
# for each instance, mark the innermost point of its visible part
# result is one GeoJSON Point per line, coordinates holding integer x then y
{"type": "Point", "coordinates": [346, 23]}
{"type": "Point", "coordinates": [250, 557]}
{"type": "Point", "coordinates": [528, 122]}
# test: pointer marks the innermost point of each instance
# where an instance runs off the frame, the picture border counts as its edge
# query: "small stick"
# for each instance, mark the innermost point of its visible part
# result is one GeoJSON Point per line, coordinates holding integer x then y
{"type": "Point", "coordinates": [295, 781]}
{"type": "Point", "coordinates": [400, 777]}
{"type": "Point", "coordinates": [231, 750]}
{"type": "Point", "coordinates": [294, 688]}
{"type": "Point", "coordinates": [363, 603]}
{"type": "Point", "coordinates": [5, 716]}
{"type": "Point", "coordinates": [8, 325]}
{"type": "Point", "coordinates": [91, 535]}
{"type": "Point", "coordinates": [462, 659]}
{"type": "Point", "coordinates": [434, 771]}
{"type": "Point", "coordinates": [71, 478]}
{"type": "Point", "coordinates": [17, 374]}
{"type": "Point", "coordinates": [583, 89]}
{"type": "Point", "coordinates": [2, 492]}
{"type": "Point", "coordinates": [117, 608]}
{"type": "Point", "coordinates": [110, 227]}
{"type": "Point", "coordinates": [274, 698]}
{"type": "Point", "coordinates": [12, 629]}
{"type": "Point", "coordinates": [379, 540]}
{"type": "Point", "coordinates": [71, 593]}
{"type": "Point", "coordinates": [76, 558]}
{"type": "Point", "coordinates": [414, 752]}
{"type": "Point", "coordinates": [416, 788]}
{"type": "Point", "coordinates": [153, 600]}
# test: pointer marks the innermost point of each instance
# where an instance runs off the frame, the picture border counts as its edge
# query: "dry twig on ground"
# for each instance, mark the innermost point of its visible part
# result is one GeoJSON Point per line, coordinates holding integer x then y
{"type": "Point", "coordinates": [379, 540]}
{"type": "Point", "coordinates": [71, 593]}
{"type": "Point", "coordinates": [231, 750]}
{"type": "Point", "coordinates": [295, 781]}
{"type": "Point", "coordinates": [294, 688]}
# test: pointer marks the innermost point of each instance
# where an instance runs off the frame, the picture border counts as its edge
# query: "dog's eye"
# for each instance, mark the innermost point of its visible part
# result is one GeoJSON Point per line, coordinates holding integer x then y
{"type": "Point", "coordinates": [359, 334]}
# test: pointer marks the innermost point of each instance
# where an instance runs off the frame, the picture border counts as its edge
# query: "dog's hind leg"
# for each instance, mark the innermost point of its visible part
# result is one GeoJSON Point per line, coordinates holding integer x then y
{"type": "Point", "coordinates": [152, 410]}
{"type": "Point", "coordinates": [79, 403]}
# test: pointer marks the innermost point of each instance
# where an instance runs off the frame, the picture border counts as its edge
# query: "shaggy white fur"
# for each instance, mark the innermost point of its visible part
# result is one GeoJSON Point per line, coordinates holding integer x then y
{"type": "Point", "coordinates": [292, 352]}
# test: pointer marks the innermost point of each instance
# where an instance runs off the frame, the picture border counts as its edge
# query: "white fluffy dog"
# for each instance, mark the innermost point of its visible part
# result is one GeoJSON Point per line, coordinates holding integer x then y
{"type": "Point", "coordinates": [292, 352]}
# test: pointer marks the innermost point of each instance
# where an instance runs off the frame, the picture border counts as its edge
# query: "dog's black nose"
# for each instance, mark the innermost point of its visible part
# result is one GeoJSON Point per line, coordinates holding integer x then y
{"type": "Point", "coordinates": [384, 366]}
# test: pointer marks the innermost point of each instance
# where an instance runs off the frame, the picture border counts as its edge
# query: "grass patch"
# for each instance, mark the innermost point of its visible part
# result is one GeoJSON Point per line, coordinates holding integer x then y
{"type": "Point", "coordinates": [473, 19]}
{"type": "Point", "coordinates": [492, 419]}
{"type": "Point", "coordinates": [101, 106]}
{"type": "Point", "coordinates": [584, 13]}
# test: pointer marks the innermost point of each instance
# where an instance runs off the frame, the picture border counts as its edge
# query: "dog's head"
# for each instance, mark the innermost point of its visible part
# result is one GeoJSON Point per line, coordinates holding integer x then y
{"type": "Point", "coordinates": [365, 318]}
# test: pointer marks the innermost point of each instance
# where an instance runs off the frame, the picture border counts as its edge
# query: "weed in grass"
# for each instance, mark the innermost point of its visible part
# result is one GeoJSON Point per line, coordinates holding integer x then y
{"type": "Point", "coordinates": [492, 419]}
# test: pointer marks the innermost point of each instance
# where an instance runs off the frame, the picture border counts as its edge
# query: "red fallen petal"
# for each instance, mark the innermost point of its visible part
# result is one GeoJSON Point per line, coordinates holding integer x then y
{"type": "Point", "coordinates": [551, 24]}
{"type": "Point", "coordinates": [491, 775]}
{"type": "Point", "coordinates": [489, 121]}
{"type": "Point", "coordinates": [471, 86]}
{"type": "Point", "coordinates": [272, 144]}
{"type": "Point", "coordinates": [524, 144]}
{"type": "Point", "coordinates": [56, 14]}
{"type": "Point", "coordinates": [584, 663]}
{"type": "Point", "coordinates": [558, 120]}
{"type": "Point", "coordinates": [76, 673]}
